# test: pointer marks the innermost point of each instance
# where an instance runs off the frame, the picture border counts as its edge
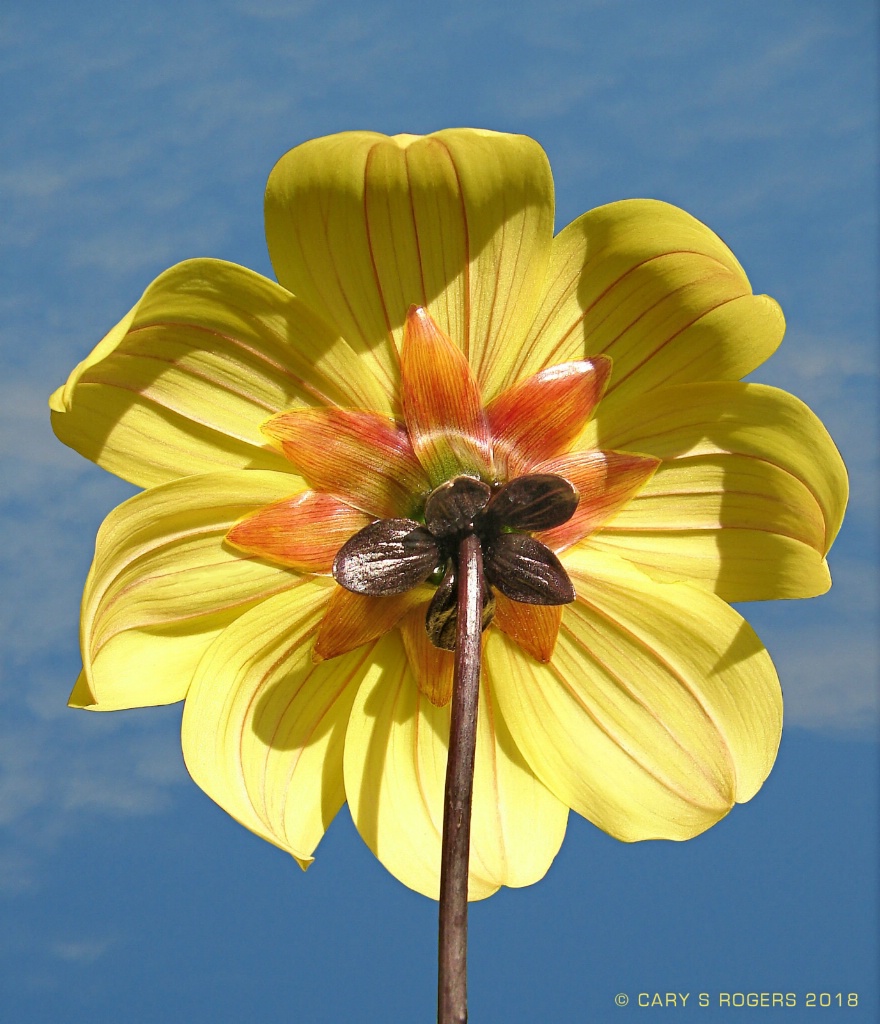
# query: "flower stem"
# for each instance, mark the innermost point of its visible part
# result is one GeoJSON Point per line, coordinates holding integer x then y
{"type": "Point", "coordinates": [452, 979]}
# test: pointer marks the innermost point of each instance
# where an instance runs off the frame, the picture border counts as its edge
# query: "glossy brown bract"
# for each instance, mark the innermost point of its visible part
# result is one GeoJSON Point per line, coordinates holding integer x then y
{"type": "Point", "coordinates": [391, 556]}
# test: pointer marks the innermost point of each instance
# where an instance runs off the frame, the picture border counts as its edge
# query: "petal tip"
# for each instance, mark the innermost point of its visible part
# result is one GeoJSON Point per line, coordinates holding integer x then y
{"type": "Point", "coordinates": [82, 697]}
{"type": "Point", "coordinates": [271, 430]}
{"type": "Point", "coordinates": [317, 656]}
{"type": "Point", "coordinates": [56, 400]}
{"type": "Point", "coordinates": [603, 365]}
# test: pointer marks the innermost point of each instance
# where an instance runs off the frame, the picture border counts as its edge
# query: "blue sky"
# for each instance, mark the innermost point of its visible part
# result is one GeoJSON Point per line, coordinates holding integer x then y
{"type": "Point", "coordinates": [135, 136]}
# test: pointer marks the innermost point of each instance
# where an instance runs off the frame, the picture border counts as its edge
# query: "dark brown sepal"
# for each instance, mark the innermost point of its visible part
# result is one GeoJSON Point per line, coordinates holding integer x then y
{"type": "Point", "coordinates": [441, 620]}
{"type": "Point", "coordinates": [526, 570]}
{"type": "Point", "coordinates": [452, 506]}
{"type": "Point", "coordinates": [386, 557]}
{"type": "Point", "coordinates": [537, 501]}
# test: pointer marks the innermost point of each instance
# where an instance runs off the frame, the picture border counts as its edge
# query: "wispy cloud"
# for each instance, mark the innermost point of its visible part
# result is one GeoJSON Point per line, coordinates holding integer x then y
{"type": "Point", "coordinates": [58, 772]}
{"type": "Point", "coordinates": [80, 950]}
{"type": "Point", "coordinates": [830, 678]}
{"type": "Point", "coordinates": [827, 651]}
{"type": "Point", "coordinates": [59, 768]}
{"type": "Point", "coordinates": [271, 10]}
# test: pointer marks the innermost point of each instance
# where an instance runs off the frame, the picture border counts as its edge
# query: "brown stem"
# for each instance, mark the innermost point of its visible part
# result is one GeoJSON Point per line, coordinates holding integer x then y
{"type": "Point", "coordinates": [452, 979]}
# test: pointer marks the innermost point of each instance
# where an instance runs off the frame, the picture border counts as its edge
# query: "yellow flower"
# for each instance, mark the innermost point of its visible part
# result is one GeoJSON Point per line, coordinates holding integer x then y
{"type": "Point", "coordinates": [271, 423]}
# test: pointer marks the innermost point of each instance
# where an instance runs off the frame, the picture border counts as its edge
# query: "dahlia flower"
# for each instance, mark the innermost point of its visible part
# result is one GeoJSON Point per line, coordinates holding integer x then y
{"type": "Point", "coordinates": [433, 355]}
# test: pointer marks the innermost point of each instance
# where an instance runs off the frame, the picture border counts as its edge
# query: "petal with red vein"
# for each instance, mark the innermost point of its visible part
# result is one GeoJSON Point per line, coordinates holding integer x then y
{"type": "Point", "coordinates": [355, 619]}
{"type": "Point", "coordinates": [364, 459]}
{"type": "Point", "coordinates": [752, 420]}
{"type": "Point", "coordinates": [361, 226]}
{"type": "Point", "coordinates": [734, 524]}
{"type": "Point", "coordinates": [395, 768]}
{"type": "Point", "coordinates": [605, 480]}
{"type": "Point", "coordinates": [659, 292]}
{"type": "Point", "coordinates": [441, 403]}
{"type": "Point", "coordinates": [432, 667]}
{"type": "Point", "coordinates": [183, 383]}
{"type": "Point", "coordinates": [534, 627]}
{"type": "Point", "coordinates": [264, 726]}
{"type": "Point", "coordinates": [541, 417]}
{"type": "Point", "coordinates": [163, 585]}
{"type": "Point", "coordinates": [659, 710]}
{"type": "Point", "coordinates": [304, 532]}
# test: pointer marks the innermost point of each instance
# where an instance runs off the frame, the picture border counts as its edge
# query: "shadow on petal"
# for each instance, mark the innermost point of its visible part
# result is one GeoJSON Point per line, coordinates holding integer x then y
{"type": "Point", "coordinates": [208, 353]}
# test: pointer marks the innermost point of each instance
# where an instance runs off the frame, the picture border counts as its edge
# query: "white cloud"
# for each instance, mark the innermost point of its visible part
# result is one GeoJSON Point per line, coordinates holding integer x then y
{"type": "Point", "coordinates": [80, 951]}
{"type": "Point", "coordinates": [544, 93]}
{"type": "Point", "coordinates": [119, 763]}
{"type": "Point", "coordinates": [270, 10]}
{"type": "Point", "coordinates": [58, 767]}
{"type": "Point", "coordinates": [125, 251]}
{"type": "Point", "coordinates": [831, 678]}
{"type": "Point", "coordinates": [827, 650]}
{"type": "Point", "coordinates": [33, 180]}
{"type": "Point", "coordinates": [17, 872]}
{"type": "Point", "coordinates": [23, 782]}
{"type": "Point", "coordinates": [59, 772]}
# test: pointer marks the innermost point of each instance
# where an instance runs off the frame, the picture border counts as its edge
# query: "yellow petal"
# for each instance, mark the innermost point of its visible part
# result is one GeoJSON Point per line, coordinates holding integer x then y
{"type": "Point", "coordinates": [362, 226]}
{"type": "Point", "coordinates": [734, 524]}
{"type": "Point", "coordinates": [183, 383]}
{"type": "Point", "coordinates": [395, 770]}
{"type": "Point", "coordinates": [748, 419]}
{"type": "Point", "coordinates": [659, 710]}
{"type": "Point", "coordinates": [787, 488]}
{"type": "Point", "coordinates": [81, 695]}
{"type": "Point", "coordinates": [737, 565]}
{"type": "Point", "coordinates": [656, 290]}
{"type": "Point", "coordinates": [518, 823]}
{"type": "Point", "coordinates": [264, 727]}
{"type": "Point", "coordinates": [164, 585]}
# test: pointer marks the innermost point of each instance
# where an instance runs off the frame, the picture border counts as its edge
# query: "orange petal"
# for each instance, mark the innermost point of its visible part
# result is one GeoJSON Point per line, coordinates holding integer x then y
{"type": "Point", "coordinates": [606, 481]}
{"type": "Point", "coordinates": [441, 403]}
{"type": "Point", "coordinates": [540, 417]}
{"type": "Point", "coordinates": [361, 457]}
{"type": "Point", "coordinates": [534, 627]}
{"type": "Point", "coordinates": [355, 619]}
{"type": "Point", "coordinates": [304, 532]}
{"type": "Point", "coordinates": [432, 667]}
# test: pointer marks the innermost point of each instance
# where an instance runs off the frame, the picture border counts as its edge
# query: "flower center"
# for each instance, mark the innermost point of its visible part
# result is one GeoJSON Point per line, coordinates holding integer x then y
{"type": "Point", "coordinates": [392, 555]}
